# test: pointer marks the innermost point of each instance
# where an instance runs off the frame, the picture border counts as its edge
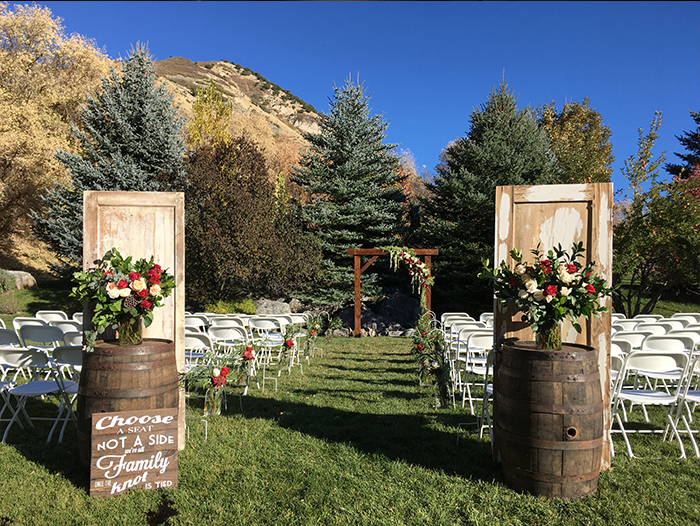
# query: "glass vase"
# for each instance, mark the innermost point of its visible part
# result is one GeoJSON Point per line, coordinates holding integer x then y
{"type": "Point", "coordinates": [129, 331]}
{"type": "Point", "coordinates": [548, 337]}
{"type": "Point", "coordinates": [213, 399]}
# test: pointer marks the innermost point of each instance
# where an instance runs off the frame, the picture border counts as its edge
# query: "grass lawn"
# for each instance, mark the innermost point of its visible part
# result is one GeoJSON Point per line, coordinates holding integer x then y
{"type": "Point", "coordinates": [355, 440]}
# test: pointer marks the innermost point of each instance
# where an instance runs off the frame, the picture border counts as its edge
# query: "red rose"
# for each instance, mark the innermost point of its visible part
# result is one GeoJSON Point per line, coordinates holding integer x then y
{"type": "Point", "coordinates": [313, 332]}
{"type": "Point", "coordinates": [420, 347]}
{"type": "Point", "coordinates": [546, 266]}
{"type": "Point", "coordinates": [224, 371]}
{"type": "Point", "coordinates": [289, 343]}
{"type": "Point", "coordinates": [588, 274]}
{"type": "Point", "coordinates": [133, 276]}
{"type": "Point", "coordinates": [145, 304]}
{"type": "Point", "coordinates": [248, 354]}
{"type": "Point", "coordinates": [156, 268]}
{"type": "Point", "coordinates": [108, 273]}
{"type": "Point", "coordinates": [143, 294]}
{"type": "Point", "coordinates": [550, 290]}
{"type": "Point", "coordinates": [153, 277]}
{"type": "Point", "coordinates": [514, 282]}
{"type": "Point", "coordinates": [122, 284]}
{"type": "Point", "coordinates": [571, 268]}
{"type": "Point", "coordinates": [590, 289]}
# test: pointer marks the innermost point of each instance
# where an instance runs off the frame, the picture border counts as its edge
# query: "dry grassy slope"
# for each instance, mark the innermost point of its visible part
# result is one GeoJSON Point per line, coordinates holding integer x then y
{"type": "Point", "coordinates": [251, 101]}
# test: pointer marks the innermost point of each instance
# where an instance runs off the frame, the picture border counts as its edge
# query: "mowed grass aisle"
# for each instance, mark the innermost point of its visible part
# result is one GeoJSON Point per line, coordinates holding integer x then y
{"type": "Point", "coordinates": [355, 440]}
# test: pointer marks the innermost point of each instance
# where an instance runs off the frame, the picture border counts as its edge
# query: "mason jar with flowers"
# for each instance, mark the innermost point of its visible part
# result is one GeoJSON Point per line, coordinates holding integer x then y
{"type": "Point", "coordinates": [123, 294]}
{"type": "Point", "coordinates": [554, 287]}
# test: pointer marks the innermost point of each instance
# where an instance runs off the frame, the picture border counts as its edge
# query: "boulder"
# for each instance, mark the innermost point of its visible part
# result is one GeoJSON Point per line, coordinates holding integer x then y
{"type": "Point", "coordinates": [263, 306]}
{"type": "Point", "coordinates": [296, 306]}
{"type": "Point", "coordinates": [400, 309]}
{"type": "Point", "coordinates": [24, 280]}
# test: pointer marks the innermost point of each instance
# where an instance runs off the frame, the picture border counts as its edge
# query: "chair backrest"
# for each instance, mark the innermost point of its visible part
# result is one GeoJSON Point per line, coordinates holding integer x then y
{"type": "Point", "coordinates": [260, 324]}
{"type": "Point", "coordinates": [225, 321]}
{"type": "Point", "coordinates": [23, 357]}
{"type": "Point", "coordinates": [197, 340]}
{"type": "Point", "coordinates": [694, 316]}
{"type": "Point", "coordinates": [77, 316]}
{"type": "Point", "coordinates": [656, 362]}
{"type": "Point", "coordinates": [49, 315]}
{"type": "Point", "coordinates": [20, 321]}
{"type": "Point", "coordinates": [485, 316]}
{"type": "Point", "coordinates": [620, 347]}
{"type": "Point", "coordinates": [9, 338]}
{"type": "Point", "coordinates": [73, 338]}
{"type": "Point", "coordinates": [617, 316]}
{"type": "Point", "coordinates": [2, 324]}
{"type": "Point", "coordinates": [299, 319]}
{"type": "Point", "coordinates": [648, 317]}
{"type": "Point", "coordinates": [446, 315]}
{"type": "Point", "coordinates": [695, 335]}
{"type": "Point", "coordinates": [480, 340]}
{"type": "Point", "coordinates": [67, 325]}
{"type": "Point", "coordinates": [653, 327]}
{"type": "Point", "coordinates": [626, 325]}
{"type": "Point", "coordinates": [675, 323]}
{"type": "Point", "coordinates": [234, 335]}
{"type": "Point", "coordinates": [69, 355]}
{"type": "Point", "coordinates": [635, 338]}
{"type": "Point", "coordinates": [41, 335]}
{"type": "Point", "coordinates": [666, 343]}
{"type": "Point", "coordinates": [197, 321]}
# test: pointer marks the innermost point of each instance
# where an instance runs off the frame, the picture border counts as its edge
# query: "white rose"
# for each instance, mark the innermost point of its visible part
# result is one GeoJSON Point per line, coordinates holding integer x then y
{"type": "Point", "coordinates": [125, 292]}
{"type": "Point", "coordinates": [566, 277]}
{"type": "Point", "coordinates": [561, 269]}
{"type": "Point", "coordinates": [216, 372]}
{"type": "Point", "coordinates": [538, 294]}
{"type": "Point", "coordinates": [531, 286]}
{"type": "Point", "coordinates": [548, 298]}
{"type": "Point", "coordinates": [523, 294]}
{"type": "Point", "coordinates": [112, 290]}
{"type": "Point", "coordinates": [138, 285]}
{"type": "Point", "coordinates": [154, 290]}
{"type": "Point", "coordinates": [565, 291]}
{"type": "Point", "coordinates": [520, 269]}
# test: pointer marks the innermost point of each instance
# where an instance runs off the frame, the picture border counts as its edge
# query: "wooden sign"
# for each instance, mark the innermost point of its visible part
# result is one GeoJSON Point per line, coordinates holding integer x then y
{"type": "Point", "coordinates": [133, 449]}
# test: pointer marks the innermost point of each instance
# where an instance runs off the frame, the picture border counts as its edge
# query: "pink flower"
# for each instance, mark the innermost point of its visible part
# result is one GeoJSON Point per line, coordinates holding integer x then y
{"type": "Point", "coordinates": [248, 353]}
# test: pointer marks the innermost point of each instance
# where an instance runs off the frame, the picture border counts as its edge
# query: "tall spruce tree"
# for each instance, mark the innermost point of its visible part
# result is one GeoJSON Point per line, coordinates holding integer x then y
{"type": "Point", "coordinates": [691, 141]}
{"type": "Point", "coordinates": [355, 200]}
{"type": "Point", "coordinates": [131, 140]}
{"type": "Point", "coordinates": [504, 146]}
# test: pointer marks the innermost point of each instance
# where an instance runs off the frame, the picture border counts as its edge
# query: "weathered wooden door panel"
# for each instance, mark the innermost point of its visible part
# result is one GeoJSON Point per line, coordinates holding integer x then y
{"type": "Point", "coordinates": [548, 215]}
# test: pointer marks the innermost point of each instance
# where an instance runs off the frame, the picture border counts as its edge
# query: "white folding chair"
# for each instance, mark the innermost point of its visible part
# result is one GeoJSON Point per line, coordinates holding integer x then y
{"type": "Point", "coordinates": [693, 334]}
{"type": "Point", "coordinates": [51, 315]}
{"type": "Point", "coordinates": [67, 325]}
{"type": "Point", "coordinates": [197, 344]}
{"type": "Point", "coordinates": [41, 337]}
{"type": "Point", "coordinates": [226, 321]}
{"type": "Point", "coordinates": [650, 318]}
{"type": "Point", "coordinates": [626, 325]}
{"type": "Point", "coordinates": [649, 361]}
{"type": "Point", "coordinates": [68, 361]}
{"type": "Point", "coordinates": [653, 327]}
{"type": "Point", "coordinates": [21, 321]}
{"type": "Point", "coordinates": [479, 343]}
{"type": "Point", "coordinates": [691, 395]}
{"type": "Point", "coordinates": [616, 316]}
{"type": "Point", "coordinates": [224, 339]}
{"type": "Point", "coordinates": [635, 338]}
{"type": "Point", "coordinates": [73, 338]}
{"type": "Point", "coordinates": [197, 321]}
{"type": "Point", "coordinates": [44, 381]}
{"type": "Point", "coordinates": [77, 316]}
{"type": "Point", "coordinates": [690, 317]}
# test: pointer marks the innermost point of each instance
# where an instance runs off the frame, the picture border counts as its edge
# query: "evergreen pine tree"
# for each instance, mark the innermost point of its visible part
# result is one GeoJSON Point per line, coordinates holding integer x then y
{"type": "Point", "coordinates": [691, 141]}
{"type": "Point", "coordinates": [355, 197]}
{"type": "Point", "coordinates": [131, 140]}
{"type": "Point", "coordinates": [504, 146]}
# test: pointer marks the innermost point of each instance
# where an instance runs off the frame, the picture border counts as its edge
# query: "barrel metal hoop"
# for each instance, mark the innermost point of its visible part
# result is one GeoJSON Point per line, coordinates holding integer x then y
{"type": "Point", "coordinates": [97, 392]}
{"type": "Point", "coordinates": [106, 366]}
{"type": "Point", "coordinates": [548, 377]}
{"type": "Point", "coordinates": [553, 478]}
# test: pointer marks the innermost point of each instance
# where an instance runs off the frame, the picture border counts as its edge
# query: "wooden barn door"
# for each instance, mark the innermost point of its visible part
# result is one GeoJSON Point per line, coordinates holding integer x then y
{"type": "Point", "coordinates": [549, 215]}
{"type": "Point", "coordinates": [141, 225]}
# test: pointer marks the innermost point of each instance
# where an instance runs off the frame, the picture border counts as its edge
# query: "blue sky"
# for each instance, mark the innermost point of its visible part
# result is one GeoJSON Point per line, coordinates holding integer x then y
{"type": "Point", "coordinates": [428, 65]}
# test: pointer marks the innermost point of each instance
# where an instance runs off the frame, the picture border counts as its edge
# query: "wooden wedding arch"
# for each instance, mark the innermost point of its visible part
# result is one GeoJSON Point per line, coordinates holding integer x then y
{"type": "Point", "coordinates": [357, 254]}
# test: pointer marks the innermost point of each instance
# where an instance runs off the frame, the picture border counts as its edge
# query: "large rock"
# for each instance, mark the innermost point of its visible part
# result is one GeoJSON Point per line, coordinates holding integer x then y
{"type": "Point", "coordinates": [296, 306]}
{"type": "Point", "coordinates": [400, 309]}
{"type": "Point", "coordinates": [263, 306]}
{"type": "Point", "coordinates": [23, 280]}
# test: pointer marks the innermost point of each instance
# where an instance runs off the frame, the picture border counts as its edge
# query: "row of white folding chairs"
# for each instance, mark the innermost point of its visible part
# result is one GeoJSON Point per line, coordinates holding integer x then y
{"type": "Point", "coordinates": [666, 359]}
{"type": "Point", "coordinates": [690, 317]}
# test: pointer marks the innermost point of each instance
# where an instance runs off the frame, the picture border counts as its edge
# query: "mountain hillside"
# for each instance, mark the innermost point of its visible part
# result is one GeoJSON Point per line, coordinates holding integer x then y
{"type": "Point", "coordinates": [265, 111]}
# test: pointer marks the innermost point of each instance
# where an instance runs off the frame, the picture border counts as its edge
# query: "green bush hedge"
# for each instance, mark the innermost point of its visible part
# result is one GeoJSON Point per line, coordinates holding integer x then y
{"type": "Point", "coordinates": [7, 281]}
{"type": "Point", "coordinates": [239, 305]}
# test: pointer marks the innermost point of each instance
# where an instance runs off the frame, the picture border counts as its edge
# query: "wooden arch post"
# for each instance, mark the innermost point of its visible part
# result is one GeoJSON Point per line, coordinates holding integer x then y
{"type": "Point", "coordinates": [357, 254]}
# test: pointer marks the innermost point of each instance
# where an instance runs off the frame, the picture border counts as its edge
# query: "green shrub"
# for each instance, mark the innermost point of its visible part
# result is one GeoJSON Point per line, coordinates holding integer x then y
{"type": "Point", "coordinates": [7, 281]}
{"type": "Point", "coordinates": [239, 305]}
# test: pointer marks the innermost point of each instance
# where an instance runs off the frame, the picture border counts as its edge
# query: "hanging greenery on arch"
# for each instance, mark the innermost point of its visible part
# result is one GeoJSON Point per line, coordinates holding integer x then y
{"type": "Point", "coordinates": [421, 278]}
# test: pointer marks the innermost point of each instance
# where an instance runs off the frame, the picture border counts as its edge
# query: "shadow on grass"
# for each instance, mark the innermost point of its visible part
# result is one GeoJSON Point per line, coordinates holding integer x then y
{"type": "Point", "coordinates": [412, 438]}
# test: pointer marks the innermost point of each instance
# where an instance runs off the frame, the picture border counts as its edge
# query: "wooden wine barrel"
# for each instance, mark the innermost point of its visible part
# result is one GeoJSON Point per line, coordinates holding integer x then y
{"type": "Point", "coordinates": [548, 416]}
{"type": "Point", "coordinates": [124, 378]}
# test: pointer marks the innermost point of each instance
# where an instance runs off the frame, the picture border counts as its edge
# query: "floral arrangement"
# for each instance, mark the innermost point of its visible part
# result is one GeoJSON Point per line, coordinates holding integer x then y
{"type": "Point", "coordinates": [433, 365]}
{"type": "Point", "coordinates": [554, 287]}
{"type": "Point", "coordinates": [421, 278]}
{"type": "Point", "coordinates": [124, 293]}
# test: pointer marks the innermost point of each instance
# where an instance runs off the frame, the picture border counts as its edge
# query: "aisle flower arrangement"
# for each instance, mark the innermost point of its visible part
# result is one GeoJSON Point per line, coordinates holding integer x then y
{"type": "Point", "coordinates": [124, 292]}
{"type": "Point", "coordinates": [433, 364]}
{"type": "Point", "coordinates": [554, 287]}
